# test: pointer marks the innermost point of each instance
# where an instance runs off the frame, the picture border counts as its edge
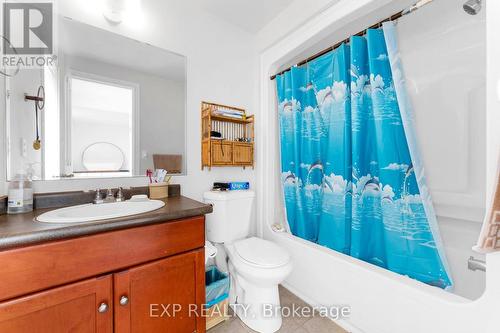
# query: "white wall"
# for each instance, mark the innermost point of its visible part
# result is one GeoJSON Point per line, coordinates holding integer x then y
{"type": "Point", "coordinates": [221, 67]}
{"type": "Point", "coordinates": [22, 121]}
{"type": "Point", "coordinates": [445, 70]}
{"type": "Point", "coordinates": [493, 98]}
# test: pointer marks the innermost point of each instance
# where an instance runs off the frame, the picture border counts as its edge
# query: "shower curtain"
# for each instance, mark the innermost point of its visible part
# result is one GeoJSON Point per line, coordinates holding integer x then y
{"type": "Point", "coordinates": [352, 176]}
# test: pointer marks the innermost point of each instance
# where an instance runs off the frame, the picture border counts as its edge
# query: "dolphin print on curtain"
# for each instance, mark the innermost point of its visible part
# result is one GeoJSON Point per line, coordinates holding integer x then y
{"type": "Point", "coordinates": [351, 172]}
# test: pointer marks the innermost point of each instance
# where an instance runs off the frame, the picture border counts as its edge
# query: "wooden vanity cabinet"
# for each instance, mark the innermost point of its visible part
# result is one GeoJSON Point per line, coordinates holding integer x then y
{"type": "Point", "coordinates": [162, 289]}
{"type": "Point", "coordinates": [162, 295]}
{"type": "Point", "coordinates": [78, 307]}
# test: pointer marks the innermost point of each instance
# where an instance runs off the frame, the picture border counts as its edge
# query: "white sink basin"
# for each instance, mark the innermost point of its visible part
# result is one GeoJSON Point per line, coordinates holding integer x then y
{"type": "Point", "coordinates": [91, 212]}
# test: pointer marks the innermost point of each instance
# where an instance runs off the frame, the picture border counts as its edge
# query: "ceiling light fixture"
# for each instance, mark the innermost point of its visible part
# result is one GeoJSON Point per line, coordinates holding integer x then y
{"type": "Point", "coordinates": [114, 10]}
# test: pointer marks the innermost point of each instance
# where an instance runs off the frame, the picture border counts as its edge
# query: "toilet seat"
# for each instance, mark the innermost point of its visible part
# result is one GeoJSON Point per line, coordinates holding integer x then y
{"type": "Point", "coordinates": [261, 253]}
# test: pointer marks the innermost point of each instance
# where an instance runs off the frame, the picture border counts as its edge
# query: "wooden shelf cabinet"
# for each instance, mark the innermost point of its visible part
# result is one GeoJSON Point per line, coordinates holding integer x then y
{"type": "Point", "coordinates": [235, 147]}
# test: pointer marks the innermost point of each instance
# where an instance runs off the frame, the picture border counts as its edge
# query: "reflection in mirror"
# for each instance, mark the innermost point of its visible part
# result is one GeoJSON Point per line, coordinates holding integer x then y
{"type": "Point", "coordinates": [111, 104]}
{"type": "Point", "coordinates": [101, 126]}
{"type": "Point", "coordinates": [103, 157]}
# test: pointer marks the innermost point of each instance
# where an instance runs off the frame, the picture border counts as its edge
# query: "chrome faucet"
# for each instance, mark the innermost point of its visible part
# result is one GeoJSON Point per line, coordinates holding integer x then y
{"type": "Point", "coordinates": [110, 197]}
{"type": "Point", "coordinates": [98, 197]}
{"type": "Point", "coordinates": [476, 265]}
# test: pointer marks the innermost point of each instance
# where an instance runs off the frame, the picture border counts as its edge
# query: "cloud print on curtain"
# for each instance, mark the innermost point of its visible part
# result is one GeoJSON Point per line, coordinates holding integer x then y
{"type": "Point", "coordinates": [351, 173]}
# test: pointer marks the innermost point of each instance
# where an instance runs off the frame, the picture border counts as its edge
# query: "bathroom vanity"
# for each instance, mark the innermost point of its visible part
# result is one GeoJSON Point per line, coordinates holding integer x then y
{"type": "Point", "coordinates": [143, 273]}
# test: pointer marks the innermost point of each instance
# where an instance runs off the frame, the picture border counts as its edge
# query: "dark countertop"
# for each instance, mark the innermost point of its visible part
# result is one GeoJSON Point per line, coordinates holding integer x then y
{"type": "Point", "coordinates": [21, 229]}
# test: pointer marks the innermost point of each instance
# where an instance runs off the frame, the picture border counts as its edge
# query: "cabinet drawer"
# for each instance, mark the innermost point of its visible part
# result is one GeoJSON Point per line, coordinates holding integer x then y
{"type": "Point", "coordinates": [34, 268]}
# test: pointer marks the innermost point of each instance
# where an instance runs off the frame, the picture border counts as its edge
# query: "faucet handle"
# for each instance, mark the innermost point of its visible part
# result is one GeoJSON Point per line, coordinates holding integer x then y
{"type": "Point", "coordinates": [98, 196]}
{"type": "Point", "coordinates": [119, 194]}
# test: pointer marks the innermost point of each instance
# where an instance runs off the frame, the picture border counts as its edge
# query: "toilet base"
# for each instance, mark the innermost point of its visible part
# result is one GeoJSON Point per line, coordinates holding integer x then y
{"type": "Point", "coordinates": [256, 306]}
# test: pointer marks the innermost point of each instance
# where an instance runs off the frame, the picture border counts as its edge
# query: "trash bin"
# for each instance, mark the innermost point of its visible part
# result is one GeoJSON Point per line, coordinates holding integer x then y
{"type": "Point", "coordinates": [217, 293]}
{"type": "Point", "coordinates": [217, 286]}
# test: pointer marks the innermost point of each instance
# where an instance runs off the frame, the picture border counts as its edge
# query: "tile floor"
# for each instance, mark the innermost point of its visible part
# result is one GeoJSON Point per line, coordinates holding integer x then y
{"type": "Point", "coordinates": [314, 324]}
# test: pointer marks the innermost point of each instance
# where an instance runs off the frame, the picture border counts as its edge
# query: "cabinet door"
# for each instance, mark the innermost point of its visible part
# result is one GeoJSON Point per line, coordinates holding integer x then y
{"type": "Point", "coordinates": [162, 296]}
{"type": "Point", "coordinates": [222, 153]}
{"type": "Point", "coordinates": [243, 153]}
{"type": "Point", "coordinates": [79, 307]}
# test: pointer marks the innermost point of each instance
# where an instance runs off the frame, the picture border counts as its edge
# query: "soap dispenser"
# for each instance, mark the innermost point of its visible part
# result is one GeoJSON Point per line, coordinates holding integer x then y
{"type": "Point", "coordinates": [20, 194]}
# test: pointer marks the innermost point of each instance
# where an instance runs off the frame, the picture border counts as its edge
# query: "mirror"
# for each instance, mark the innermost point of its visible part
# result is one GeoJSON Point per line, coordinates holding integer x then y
{"type": "Point", "coordinates": [111, 107]}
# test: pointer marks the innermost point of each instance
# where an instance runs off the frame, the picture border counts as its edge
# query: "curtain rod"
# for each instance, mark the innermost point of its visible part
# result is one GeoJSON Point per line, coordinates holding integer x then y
{"type": "Point", "coordinates": [377, 25]}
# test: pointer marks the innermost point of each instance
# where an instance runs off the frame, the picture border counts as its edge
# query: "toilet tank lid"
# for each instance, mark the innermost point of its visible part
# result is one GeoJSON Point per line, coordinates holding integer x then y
{"type": "Point", "coordinates": [228, 195]}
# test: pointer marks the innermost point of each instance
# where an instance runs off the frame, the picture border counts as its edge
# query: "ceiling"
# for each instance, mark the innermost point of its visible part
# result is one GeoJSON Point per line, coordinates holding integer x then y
{"type": "Point", "coordinates": [250, 15]}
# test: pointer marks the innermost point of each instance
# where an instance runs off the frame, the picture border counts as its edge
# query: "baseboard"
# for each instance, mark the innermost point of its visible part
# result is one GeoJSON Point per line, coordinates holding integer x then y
{"type": "Point", "coordinates": [345, 324]}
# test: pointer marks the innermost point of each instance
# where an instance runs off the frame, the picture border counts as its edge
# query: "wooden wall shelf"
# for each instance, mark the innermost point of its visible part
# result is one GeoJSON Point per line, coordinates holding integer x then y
{"type": "Point", "coordinates": [235, 147]}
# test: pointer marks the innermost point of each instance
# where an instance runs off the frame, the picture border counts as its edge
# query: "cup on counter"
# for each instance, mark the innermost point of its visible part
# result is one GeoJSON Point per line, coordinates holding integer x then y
{"type": "Point", "coordinates": [158, 190]}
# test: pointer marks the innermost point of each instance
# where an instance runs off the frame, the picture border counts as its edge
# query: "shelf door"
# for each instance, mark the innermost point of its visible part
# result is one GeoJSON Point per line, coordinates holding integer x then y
{"type": "Point", "coordinates": [243, 153]}
{"type": "Point", "coordinates": [222, 153]}
{"type": "Point", "coordinates": [79, 307]}
{"type": "Point", "coordinates": [162, 296]}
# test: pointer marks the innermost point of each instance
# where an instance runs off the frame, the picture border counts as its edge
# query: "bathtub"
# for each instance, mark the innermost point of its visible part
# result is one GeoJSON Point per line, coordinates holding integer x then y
{"type": "Point", "coordinates": [382, 301]}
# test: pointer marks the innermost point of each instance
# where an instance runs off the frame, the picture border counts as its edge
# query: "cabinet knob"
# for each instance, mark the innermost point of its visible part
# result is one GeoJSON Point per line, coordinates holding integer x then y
{"type": "Point", "coordinates": [103, 307]}
{"type": "Point", "coordinates": [123, 300]}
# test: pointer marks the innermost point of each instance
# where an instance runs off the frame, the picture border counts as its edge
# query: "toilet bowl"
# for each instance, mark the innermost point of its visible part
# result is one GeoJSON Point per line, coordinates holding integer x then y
{"type": "Point", "coordinates": [256, 268]}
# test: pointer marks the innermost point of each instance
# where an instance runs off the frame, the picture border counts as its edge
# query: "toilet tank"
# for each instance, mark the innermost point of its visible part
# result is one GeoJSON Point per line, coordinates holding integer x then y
{"type": "Point", "coordinates": [231, 217]}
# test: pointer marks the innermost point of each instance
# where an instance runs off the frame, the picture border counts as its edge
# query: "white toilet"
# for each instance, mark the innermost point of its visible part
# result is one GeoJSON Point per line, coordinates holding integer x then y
{"type": "Point", "coordinates": [256, 266]}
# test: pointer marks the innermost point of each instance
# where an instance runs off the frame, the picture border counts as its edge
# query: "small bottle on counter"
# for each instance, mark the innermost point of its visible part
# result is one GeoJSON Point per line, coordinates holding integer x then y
{"type": "Point", "coordinates": [20, 194]}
